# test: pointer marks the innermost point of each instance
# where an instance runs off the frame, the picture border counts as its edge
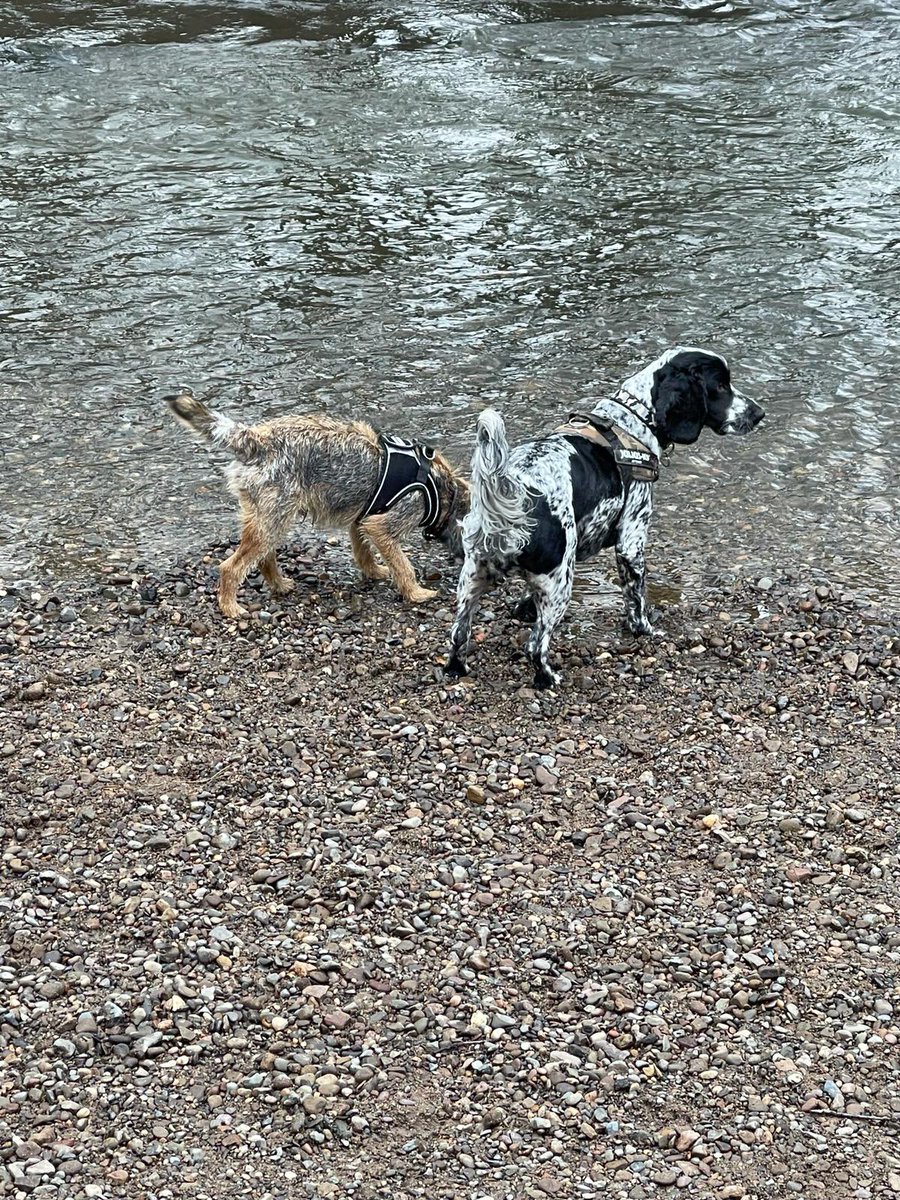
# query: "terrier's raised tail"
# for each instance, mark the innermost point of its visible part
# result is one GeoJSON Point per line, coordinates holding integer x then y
{"type": "Point", "coordinates": [218, 430]}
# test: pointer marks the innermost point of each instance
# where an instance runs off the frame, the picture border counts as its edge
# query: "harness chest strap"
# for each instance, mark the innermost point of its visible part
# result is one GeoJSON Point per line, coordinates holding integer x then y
{"type": "Point", "coordinates": [405, 468]}
{"type": "Point", "coordinates": [630, 455]}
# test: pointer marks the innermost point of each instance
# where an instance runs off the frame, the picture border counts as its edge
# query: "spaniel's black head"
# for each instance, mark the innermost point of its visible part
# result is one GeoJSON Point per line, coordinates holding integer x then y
{"type": "Point", "coordinates": [692, 389]}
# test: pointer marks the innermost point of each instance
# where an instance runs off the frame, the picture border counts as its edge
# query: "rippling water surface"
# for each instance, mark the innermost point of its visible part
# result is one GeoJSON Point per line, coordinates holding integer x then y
{"type": "Point", "coordinates": [407, 210]}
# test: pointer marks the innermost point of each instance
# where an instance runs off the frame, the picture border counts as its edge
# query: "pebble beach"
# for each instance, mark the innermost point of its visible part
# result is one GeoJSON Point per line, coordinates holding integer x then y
{"type": "Point", "coordinates": [285, 914]}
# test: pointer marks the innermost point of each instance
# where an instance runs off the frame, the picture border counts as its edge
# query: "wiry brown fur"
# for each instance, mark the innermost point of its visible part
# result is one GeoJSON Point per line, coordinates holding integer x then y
{"type": "Point", "coordinates": [324, 471]}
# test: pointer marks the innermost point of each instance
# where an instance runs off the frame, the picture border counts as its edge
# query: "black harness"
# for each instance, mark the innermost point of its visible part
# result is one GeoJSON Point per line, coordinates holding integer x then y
{"type": "Point", "coordinates": [406, 468]}
{"type": "Point", "coordinates": [633, 459]}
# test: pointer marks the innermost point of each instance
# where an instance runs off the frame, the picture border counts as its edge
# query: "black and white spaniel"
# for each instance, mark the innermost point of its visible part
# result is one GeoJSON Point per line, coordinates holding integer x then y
{"type": "Point", "coordinates": [543, 506]}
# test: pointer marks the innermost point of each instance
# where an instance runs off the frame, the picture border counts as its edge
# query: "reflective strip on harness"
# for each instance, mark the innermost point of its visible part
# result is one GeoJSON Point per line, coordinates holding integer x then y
{"type": "Point", "coordinates": [405, 468]}
{"type": "Point", "coordinates": [631, 456]}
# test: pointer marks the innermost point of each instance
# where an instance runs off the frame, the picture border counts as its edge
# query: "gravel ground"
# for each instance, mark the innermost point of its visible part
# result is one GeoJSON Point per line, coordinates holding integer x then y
{"type": "Point", "coordinates": [284, 915]}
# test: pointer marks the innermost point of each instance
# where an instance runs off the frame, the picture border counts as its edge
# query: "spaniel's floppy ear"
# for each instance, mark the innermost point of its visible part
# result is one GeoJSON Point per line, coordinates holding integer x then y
{"type": "Point", "coordinates": [679, 401]}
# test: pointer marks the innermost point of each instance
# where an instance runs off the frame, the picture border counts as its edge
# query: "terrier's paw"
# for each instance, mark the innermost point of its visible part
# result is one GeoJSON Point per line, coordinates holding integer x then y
{"type": "Point", "coordinates": [283, 587]}
{"type": "Point", "coordinates": [420, 595]}
{"type": "Point", "coordinates": [234, 611]}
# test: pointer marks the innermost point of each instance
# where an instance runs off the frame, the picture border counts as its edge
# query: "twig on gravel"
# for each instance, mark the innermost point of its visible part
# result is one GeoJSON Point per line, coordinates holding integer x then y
{"type": "Point", "coordinates": [460, 1044]}
{"type": "Point", "coordinates": [878, 1118]}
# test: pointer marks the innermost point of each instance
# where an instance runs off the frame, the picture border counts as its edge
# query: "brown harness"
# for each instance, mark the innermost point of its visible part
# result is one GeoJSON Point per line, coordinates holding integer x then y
{"type": "Point", "coordinates": [632, 457]}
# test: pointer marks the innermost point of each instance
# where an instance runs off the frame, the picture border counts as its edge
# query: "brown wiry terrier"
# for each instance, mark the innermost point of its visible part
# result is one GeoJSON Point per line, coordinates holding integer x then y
{"type": "Point", "coordinates": [327, 472]}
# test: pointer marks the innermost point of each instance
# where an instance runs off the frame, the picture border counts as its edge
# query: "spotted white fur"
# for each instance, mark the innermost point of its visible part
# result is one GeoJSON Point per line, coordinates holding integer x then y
{"type": "Point", "coordinates": [530, 490]}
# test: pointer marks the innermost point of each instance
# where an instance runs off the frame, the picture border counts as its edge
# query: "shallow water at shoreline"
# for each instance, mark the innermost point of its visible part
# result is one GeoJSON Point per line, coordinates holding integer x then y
{"type": "Point", "coordinates": [407, 213]}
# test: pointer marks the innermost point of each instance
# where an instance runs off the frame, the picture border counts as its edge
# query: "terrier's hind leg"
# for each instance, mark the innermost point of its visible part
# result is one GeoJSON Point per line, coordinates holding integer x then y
{"type": "Point", "coordinates": [279, 584]}
{"type": "Point", "coordinates": [234, 570]}
{"type": "Point", "coordinates": [258, 545]}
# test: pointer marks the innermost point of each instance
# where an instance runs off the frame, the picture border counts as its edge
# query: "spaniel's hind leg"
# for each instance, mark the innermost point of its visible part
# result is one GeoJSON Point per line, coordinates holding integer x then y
{"type": "Point", "coordinates": [234, 570]}
{"type": "Point", "coordinates": [525, 610]}
{"type": "Point", "coordinates": [474, 581]}
{"type": "Point", "coordinates": [552, 593]}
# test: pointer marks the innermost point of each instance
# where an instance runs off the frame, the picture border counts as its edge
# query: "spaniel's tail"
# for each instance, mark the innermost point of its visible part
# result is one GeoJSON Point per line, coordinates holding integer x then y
{"type": "Point", "coordinates": [501, 512]}
{"type": "Point", "coordinates": [240, 441]}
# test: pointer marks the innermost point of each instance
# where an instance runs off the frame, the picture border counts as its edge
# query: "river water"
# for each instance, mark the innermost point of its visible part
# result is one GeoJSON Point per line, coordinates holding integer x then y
{"type": "Point", "coordinates": [407, 210]}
